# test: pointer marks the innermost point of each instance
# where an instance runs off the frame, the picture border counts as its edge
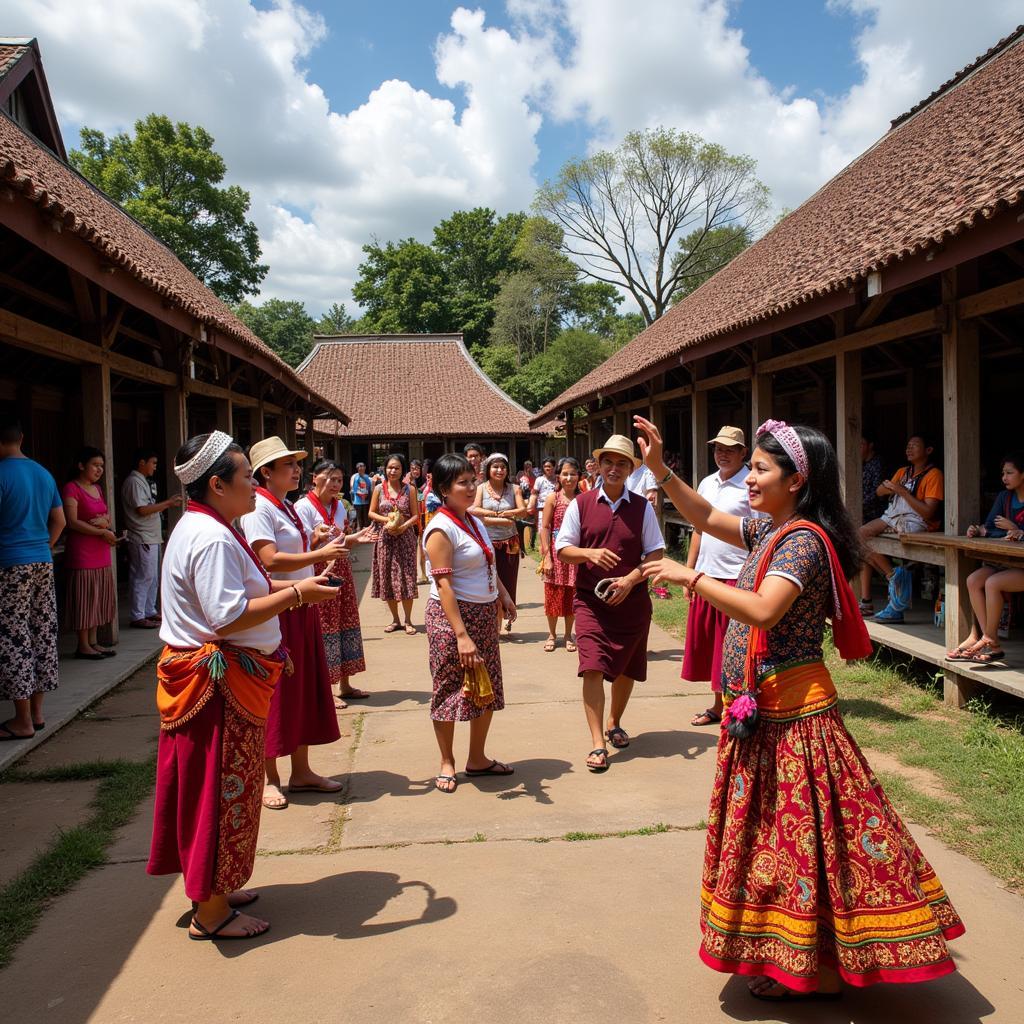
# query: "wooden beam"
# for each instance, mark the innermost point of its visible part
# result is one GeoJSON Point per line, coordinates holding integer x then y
{"type": "Point", "coordinates": [760, 388]}
{"type": "Point", "coordinates": [175, 421]}
{"type": "Point", "coordinates": [873, 310]}
{"type": "Point", "coordinates": [667, 396]}
{"type": "Point", "coordinates": [699, 435]}
{"type": "Point", "coordinates": [51, 342]}
{"type": "Point", "coordinates": [906, 327]}
{"type": "Point", "coordinates": [991, 301]}
{"type": "Point", "coordinates": [44, 298]}
{"type": "Point", "coordinates": [849, 428]}
{"type": "Point", "coordinates": [723, 379]}
{"type": "Point", "coordinates": [111, 324]}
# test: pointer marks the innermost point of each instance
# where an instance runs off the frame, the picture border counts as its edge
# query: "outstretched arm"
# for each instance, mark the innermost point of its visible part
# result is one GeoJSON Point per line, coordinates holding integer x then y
{"type": "Point", "coordinates": [704, 516]}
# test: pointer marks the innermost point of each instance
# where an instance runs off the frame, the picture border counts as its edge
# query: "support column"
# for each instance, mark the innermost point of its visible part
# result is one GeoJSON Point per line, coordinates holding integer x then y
{"type": "Point", "coordinates": [849, 405]}
{"type": "Point", "coordinates": [760, 389]}
{"type": "Point", "coordinates": [98, 430]}
{"type": "Point", "coordinates": [310, 438]}
{"type": "Point", "coordinates": [223, 414]}
{"type": "Point", "coordinates": [620, 421]}
{"type": "Point", "coordinates": [699, 435]}
{"type": "Point", "coordinates": [961, 444]}
{"type": "Point", "coordinates": [174, 438]}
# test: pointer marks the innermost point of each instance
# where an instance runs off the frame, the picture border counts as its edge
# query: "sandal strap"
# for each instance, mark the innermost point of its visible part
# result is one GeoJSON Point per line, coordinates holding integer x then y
{"type": "Point", "coordinates": [211, 932]}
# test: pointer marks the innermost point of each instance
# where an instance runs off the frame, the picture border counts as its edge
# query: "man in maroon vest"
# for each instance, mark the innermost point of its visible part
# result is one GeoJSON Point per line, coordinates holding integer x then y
{"type": "Point", "coordinates": [608, 532]}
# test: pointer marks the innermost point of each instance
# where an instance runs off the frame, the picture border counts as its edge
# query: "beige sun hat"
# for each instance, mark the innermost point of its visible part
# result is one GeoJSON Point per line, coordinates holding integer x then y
{"type": "Point", "coordinates": [271, 448]}
{"type": "Point", "coordinates": [730, 437]}
{"type": "Point", "coordinates": [620, 445]}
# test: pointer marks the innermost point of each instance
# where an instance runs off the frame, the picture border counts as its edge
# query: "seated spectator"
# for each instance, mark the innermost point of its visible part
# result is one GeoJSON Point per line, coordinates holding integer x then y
{"type": "Point", "coordinates": [989, 585]}
{"type": "Point", "coordinates": [915, 493]}
{"type": "Point", "coordinates": [872, 506]}
{"type": "Point", "coordinates": [90, 587]}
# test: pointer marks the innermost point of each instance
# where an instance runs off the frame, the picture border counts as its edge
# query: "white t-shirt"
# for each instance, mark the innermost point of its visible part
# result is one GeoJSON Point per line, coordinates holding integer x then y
{"type": "Point", "coordinates": [311, 518]}
{"type": "Point", "coordinates": [205, 584]}
{"type": "Point", "coordinates": [470, 579]}
{"type": "Point", "coordinates": [716, 558]}
{"type": "Point", "coordinates": [641, 480]}
{"type": "Point", "coordinates": [268, 522]}
{"type": "Point", "coordinates": [542, 488]}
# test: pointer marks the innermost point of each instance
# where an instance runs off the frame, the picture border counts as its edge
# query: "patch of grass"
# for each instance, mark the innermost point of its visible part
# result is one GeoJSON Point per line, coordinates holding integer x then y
{"type": "Point", "coordinates": [976, 755]}
{"type": "Point", "coordinates": [671, 614]}
{"type": "Point", "coordinates": [75, 852]}
{"type": "Point", "coordinates": [581, 837]}
{"type": "Point", "coordinates": [479, 838]}
{"type": "Point", "coordinates": [647, 830]}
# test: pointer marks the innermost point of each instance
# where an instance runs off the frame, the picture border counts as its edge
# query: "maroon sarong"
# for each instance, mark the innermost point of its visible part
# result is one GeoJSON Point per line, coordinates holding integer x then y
{"type": "Point", "coordinates": [302, 711]}
{"type": "Point", "coordinates": [705, 631]}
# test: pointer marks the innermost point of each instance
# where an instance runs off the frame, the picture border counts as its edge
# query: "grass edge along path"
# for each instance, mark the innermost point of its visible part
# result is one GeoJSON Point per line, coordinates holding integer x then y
{"type": "Point", "coordinates": [76, 851]}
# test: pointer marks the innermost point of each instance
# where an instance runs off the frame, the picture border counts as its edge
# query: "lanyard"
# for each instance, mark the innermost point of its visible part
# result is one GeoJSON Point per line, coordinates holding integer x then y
{"type": "Point", "coordinates": [287, 509]}
{"type": "Point", "coordinates": [206, 510]}
{"type": "Point", "coordinates": [472, 530]}
{"type": "Point", "coordinates": [327, 517]}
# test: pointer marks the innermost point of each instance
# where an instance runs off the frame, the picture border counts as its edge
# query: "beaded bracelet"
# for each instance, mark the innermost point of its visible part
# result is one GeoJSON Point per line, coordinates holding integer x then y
{"type": "Point", "coordinates": [298, 596]}
{"type": "Point", "coordinates": [665, 479]}
{"type": "Point", "coordinates": [692, 585]}
{"type": "Point", "coordinates": [442, 571]}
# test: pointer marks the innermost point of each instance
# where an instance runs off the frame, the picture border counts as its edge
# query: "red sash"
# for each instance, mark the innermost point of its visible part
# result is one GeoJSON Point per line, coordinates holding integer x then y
{"type": "Point", "coordinates": [286, 508]}
{"type": "Point", "coordinates": [206, 510]}
{"type": "Point", "coordinates": [325, 515]}
{"type": "Point", "coordinates": [470, 527]}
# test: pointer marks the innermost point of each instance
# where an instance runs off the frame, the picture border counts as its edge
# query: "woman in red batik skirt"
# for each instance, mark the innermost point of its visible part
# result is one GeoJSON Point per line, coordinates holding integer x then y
{"type": "Point", "coordinates": [559, 576]}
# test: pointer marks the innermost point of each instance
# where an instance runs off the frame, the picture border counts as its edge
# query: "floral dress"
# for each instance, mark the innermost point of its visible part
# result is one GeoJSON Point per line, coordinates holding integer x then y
{"type": "Point", "coordinates": [394, 557]}
{"type": "Point", "coordinates": [560, 579]}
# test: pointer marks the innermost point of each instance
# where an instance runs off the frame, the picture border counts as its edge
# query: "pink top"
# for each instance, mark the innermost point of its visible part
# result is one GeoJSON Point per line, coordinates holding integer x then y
{"type": "Point", "coordinates": [81, 551]}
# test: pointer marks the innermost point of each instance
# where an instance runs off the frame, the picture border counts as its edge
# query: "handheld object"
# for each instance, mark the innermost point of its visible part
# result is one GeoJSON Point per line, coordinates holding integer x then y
{"type": "Point", "coordinates": [334, 581]}
{"type": "Point", "coordinates": [605, 588]}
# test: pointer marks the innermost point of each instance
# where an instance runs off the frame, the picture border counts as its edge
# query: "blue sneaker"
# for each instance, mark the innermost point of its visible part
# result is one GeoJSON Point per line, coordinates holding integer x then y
{"type": "Point", "coordinates": [889, 615]}
{"type": "Point", "coordinates": [901, 589]}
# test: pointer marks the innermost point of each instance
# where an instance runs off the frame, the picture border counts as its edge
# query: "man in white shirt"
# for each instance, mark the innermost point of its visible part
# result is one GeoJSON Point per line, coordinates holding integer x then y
{"type": "Point", "coordinates": [726, 489]}
{"type": "Point", "coordinates": [144, 538]}
{"type": "Point", "coordinates": [607, 533]}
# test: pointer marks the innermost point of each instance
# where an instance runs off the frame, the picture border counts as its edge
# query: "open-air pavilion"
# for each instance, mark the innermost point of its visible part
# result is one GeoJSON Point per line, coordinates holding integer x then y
{"type": "Point", "coordinates": [891, 301]}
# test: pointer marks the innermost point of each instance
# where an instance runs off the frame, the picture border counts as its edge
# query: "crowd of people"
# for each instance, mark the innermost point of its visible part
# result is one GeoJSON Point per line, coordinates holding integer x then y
{"type": "Point", "coordinates": [258, 614]}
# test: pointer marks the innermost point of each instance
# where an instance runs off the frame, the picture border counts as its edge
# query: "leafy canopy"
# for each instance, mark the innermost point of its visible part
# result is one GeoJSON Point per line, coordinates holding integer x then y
{"type": "Point", "coordinates": [167, 176]}
{"type": "Point", "coordinates": [288, 329]}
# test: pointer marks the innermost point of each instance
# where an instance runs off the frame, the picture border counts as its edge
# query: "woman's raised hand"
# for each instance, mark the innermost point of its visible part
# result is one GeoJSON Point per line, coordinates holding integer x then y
{"type": "Point", "coordinates": [320, 533]}
{"type": "Point", "coordinates": [332, 550]}
{"type": "Point", "coordinates": [664, 570]}
{"type": "Point", "coordinates": [652, 448]}
{"type": "Point", "coordinates": [364, 536]}
{"type": "Point", "coordinates": [314, 589]}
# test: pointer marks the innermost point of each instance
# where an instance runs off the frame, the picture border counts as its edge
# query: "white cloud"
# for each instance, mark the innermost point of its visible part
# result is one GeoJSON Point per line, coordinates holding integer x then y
{"type": "Point", "coordinates": [403, 159]}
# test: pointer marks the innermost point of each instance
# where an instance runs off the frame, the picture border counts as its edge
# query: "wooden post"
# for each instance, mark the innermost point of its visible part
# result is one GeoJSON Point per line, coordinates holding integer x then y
{"type": "Point", "coordinates": [570, 432]}
{"type": "Point", "coordinates": [174, 438]}
{"type": "Point", "coordinates": [223, 415]}
{"type": "Point", "coordinates": [620, 423]}
{"type": "Point", "coordinates": [310, 439]}
{"type": "Point", "coordinates": [699, 435]}
{"type": "Point", "coordinates": [961, 437]}
{"type": "Point", "coordinates": [760, 390]}
{"type": "Point", "coordinates": [98, 430]}
{"type": "Point", "coordinates": [849, 404]}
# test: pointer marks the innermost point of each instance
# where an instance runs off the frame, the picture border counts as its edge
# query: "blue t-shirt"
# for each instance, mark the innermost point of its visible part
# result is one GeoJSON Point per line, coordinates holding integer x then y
{"type": "Point", "coordinates": [362, 489]}
{"type": "Point", "coordinates": [1007, 505]}
{"type": "Point", "coordinates": [27, 494]}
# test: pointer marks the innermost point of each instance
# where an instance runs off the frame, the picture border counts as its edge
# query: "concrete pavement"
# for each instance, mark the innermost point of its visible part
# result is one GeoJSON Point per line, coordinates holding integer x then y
{"type": "Point", "coordinates": [401, 904]}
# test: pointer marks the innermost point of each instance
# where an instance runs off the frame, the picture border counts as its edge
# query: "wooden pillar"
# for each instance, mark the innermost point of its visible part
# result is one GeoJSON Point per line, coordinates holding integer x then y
{"type": "Point", "coordinates": [699, 435]}
{"type": "Point", "coordinates": [849, 405]}
{"type": "Point", "coordinates": [286, 428]}
{"type": "Point", "coordinates": [961, 444]}
{"type": "Point", "coordinates": [570, 432]}
{"type": "Point", "coordinates": [310, 438]}
{"type": "Point", "coordinates": [620, 423]}
{"type": "Point", "coordinates": [98, 430]}
{"type": "Point", "coordinates": [174, 438]}
{"type": "Point", "coordinates": [223, 414]}
{"type": "Point", "coordinates": [760, 390]}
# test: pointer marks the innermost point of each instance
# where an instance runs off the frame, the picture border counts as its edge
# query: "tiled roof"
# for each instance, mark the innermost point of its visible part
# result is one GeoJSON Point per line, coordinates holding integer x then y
{"type": "Point", "coordinates": [84, 210]}
{"type": "Point", "coordinates": [11, 51]}
{"type": "Point", "coordinates": [411, 385]}
{"type": "Point", "coordinates": [946, 166]}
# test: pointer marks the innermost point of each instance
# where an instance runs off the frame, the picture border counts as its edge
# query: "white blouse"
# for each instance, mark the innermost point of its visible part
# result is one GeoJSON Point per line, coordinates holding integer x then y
{"type": "Point", "coordinates": [268, 522]}
{"type": "Point", "coordinates": [206, 582]}
{"type": "Point", "coordinates": [470, 579]}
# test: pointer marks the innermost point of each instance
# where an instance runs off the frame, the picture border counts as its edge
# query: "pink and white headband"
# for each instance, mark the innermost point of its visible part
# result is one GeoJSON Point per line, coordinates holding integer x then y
{"type": "Point", "coordinates": [790, 441]}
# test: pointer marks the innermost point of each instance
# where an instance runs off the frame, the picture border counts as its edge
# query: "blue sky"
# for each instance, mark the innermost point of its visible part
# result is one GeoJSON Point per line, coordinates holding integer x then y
{"type": "Point", "coordinates": [350, 121]}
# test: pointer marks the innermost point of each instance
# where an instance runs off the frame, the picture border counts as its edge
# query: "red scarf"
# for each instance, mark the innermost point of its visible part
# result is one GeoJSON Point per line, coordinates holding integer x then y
{"type": "Point", "coordinates": [848, 629]}
{"type": "Point", "coordinates": [325, 515]}
{"type": "Point", "coordinates": [470, 527]}
{"type": "Point", "coordinates": [286, 508]}
{"type": "Point", "coordinates": [206, 510]}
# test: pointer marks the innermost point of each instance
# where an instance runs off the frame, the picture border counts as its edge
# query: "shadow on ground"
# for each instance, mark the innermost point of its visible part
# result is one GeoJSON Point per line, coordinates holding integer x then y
{"type": "Point", "coordinates": [668, 743]}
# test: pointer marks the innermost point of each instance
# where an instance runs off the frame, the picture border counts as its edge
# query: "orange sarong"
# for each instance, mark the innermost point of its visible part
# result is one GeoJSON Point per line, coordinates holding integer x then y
{"type": "Point", "coordinates": [187, 679]}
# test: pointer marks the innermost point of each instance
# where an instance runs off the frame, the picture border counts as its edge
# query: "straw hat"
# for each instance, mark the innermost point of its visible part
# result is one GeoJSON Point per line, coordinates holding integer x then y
{"type": "Point", "coordinates": [271, 448]}
{"type": "Point", "coordinates": [730, 437]}
{"type": "Point", "coordinates": [620, 445]}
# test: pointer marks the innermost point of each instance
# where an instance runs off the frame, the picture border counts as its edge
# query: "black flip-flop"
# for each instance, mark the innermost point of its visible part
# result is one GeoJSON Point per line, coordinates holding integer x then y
{"type": "Point", "coordinates": [789, 996]}
{"type": "Point", "coordinates": [40, 727]}
{"type": "Point", "coordinates": [6, 736]}
{"type": "Point", "coordinates": [597, 768]}
{"type": "Point", "coordinates": [355, 695]}
{"type": "Point", "coordinates": [710, 714]}
{"type": "Point", "coordinates": [616, 734]}
{"type": "Point", "coordinates": [506, 769]}
{"type": "Point", "coordinates": [446, 778]}
{"type": "Point", "coordinates": [214, 934]}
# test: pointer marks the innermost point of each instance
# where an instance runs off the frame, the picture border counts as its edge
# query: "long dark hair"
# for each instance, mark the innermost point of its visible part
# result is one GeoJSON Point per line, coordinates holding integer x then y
{"type": "Point", "coordinates": [82, 456]}
{"type": "Point", "coordinates": [225, 467]}
{"type": "Point", "coordinates": [568, 460]}
{"type": "Point", "coordinates": [821, 499]}
{"type": "Point", "coordinates": [446, 470]}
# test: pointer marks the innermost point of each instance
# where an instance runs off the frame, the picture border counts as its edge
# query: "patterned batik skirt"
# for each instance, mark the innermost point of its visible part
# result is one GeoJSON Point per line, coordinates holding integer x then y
{"type": "Point", "coordinates": [28, 639]}
{"type": "Point", "coordinates": [558, 600]}
{"type": "Point", "coordinates": [448, 703]}
{"type": "Point", "coordinates": [807, 863]}
{"type": "Point", "coordinates": [343, 637]}
{"type": "Point", "coordinates": [393, 571]}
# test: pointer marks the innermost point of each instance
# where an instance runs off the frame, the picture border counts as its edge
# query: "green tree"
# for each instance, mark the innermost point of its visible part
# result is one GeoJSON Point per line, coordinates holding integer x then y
{"type": "Point", "coordinates": [623, 210]}
{"type": "Point", "coordinates": [283, 325]}
{"type": "Point", "coordinates": [570, 356]}
{"type": "Point", "coordinates": [401, 289]}
{"type": "Point", "coordinates": [335, 321]}
{"type": "Point", "coordinates": [701, 254]}
{"type": "Point", "coordinates": [167, 177]}
{"type": "Point", "coordinates": [475, 248]}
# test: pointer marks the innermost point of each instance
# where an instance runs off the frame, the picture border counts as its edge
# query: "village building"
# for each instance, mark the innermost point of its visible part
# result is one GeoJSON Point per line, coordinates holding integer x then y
{"type": "Point", "coordinates": [890, 303]}
{"type": "Point", "coordinates": [418, 394]}
{"type": "Point", "coordinates": [106, 338]}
